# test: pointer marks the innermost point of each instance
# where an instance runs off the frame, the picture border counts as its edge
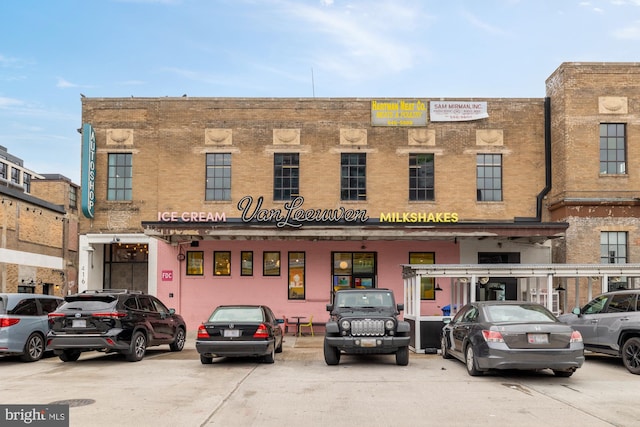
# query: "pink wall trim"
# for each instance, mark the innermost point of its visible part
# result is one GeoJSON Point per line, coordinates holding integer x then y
{"type": "Point", "coordinates": [195, 297]}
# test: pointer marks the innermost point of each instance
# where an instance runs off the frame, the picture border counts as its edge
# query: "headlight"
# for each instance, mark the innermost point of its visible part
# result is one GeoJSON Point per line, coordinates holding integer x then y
{"type": "Point", "coordinates": [345, 324]}
{"type": "Point", "coordinates": [389, 324]}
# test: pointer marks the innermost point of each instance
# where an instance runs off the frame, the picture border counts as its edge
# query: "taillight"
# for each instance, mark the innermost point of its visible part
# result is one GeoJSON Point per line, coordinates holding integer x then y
{"type": "Point", "coordinates": [52, 315]}
{"type": "Point", "coordinates": [8, 321]}
{"type": "Point", "coordinates": [202, 332]}
{"type": "Point", "coordinates": [576, 336]}
{"type": "Point", "coordinates": [111, 314]}
{"type": "Point", "coordinates": [261, 332]}
{"type": "Point", "coordinates": [492, 336]}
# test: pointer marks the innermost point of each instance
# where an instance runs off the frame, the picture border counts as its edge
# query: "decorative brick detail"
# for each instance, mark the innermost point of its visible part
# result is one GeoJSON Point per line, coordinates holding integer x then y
{"type": "Point", "coordinates": [218, 136]}
{"type": "Point", "coordinates": [492, 137]}
{"type": "Point", "coordinates": [422, 137]}
{"type": "Point", "coordinates": [613, 105]}
{"type": "Point", "coordinates": [119, 136]}
{"type": "Point", "coordinates": [286, 136]}
{"type": "Point", "coordinates": [353, 137]}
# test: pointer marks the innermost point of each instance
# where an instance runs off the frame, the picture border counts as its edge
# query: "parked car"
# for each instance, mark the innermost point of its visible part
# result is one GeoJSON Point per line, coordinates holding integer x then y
{"type": "Point", "coordinates": [365, 321]}
{"type": "Point", "coordinates": [24, 324]}
{"type": "Point", "coordinates": [113, 320]}
{"type": "Point", "coordinates": [610, 324]}
{"type": "Point", "coordinates": [240, 331]}
{"type": "Point", "coordinates": [491, 335]}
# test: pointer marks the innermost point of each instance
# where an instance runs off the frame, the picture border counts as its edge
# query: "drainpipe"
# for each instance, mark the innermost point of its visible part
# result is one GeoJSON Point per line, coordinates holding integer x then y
{"type": "Point", "coordinates": [547, 165]}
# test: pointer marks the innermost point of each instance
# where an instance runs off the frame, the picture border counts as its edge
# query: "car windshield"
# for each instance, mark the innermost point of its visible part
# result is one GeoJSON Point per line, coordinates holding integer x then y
{"type": "Point", "coordinates": [237, 314]}
{"type": "Point", "coordinates": [364, 299]}
{"type": "Point", "coordinates": [518, 313]}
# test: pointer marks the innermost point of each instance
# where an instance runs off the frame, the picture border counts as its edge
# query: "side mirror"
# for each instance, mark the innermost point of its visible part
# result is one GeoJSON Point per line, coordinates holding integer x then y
{"type": "Point", "coordinates": [400, 307]}
{"type": "Point", "coordinates": [329, 307]}
{"type": "Point", "coordinates": [172, 311]}
{"type": "Point", "coordinates": [576, 311]}
{"type": "Point", "coordinates": [446, 320]}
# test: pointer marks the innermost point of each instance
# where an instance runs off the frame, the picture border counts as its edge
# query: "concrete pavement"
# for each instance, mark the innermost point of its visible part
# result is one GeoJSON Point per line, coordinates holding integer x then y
{"type": "Point", "coordinates": [175, 389]}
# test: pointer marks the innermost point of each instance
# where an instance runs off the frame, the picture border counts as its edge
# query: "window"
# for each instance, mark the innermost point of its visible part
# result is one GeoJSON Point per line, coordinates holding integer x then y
{"type": "Point", "coordinates": [489, 177]}
{"type": "Point", "coordinates": [222, 263]}
{"type": "Point", "coordinates": [271, 264]}
{"type": "Point", "coordinates": [427, 284]}
{"type": "Point", "coordinates": [613, 250]}
{"type": "Point", "coordinates": [246, 268]}
{"type": "Point", "coordinates": [26, 182]}
{"type": "Point", "coordinates": [73, 197]}
{"type": "Point", "coordinates": [296, 275]}
{"type": "Point", "coordinates": [421, 168]}
{"type": "Point", "coordinates": [353, 185]}
{"type": "Point", "coordinates": [3, 170]}
{"type": "Point", "coordinates": [354, 270]}
{"type": "Point", "coordinates": [286, 176]}
{"type": "Point", "coordinates": [612, 148]}
{"type": "Point", "coordinates": [218, 185]}
{"type": "Point", "coordinates": [195, 263]}
{"type": "Point", "coordinates": [15, 176]}
{"type": "Point", "coordinates": [613, 247]}
{"type": "Point", "coordinates": [119, 185]}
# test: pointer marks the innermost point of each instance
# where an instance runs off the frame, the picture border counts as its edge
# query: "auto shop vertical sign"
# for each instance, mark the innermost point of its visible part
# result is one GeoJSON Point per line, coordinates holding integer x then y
{"type": "Point", "coordinates": [88, 170]}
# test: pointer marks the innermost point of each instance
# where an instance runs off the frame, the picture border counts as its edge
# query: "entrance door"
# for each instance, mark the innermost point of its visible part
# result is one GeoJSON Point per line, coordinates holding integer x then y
{"type": "Point", "coordinates": [353, 270]}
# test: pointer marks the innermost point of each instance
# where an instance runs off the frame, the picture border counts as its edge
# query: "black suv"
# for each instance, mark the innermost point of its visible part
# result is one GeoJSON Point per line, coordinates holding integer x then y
{"type": "Point", "coordinates": [113, 320]}
{"type": "Point", "coordinates": [610, 324]}
{"type": "Point", "coordinates": [365, 321]}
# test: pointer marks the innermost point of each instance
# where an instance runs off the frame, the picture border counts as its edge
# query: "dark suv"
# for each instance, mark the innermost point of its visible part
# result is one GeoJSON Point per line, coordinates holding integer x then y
{"type": "Point", "coordinates": [365, 321]}
{"type": "Point", "coordinates": [113, 320]}
{"type": "Point", "coordinates": [610, 324]}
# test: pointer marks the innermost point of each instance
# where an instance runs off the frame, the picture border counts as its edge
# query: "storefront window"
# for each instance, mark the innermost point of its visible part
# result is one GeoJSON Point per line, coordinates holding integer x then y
{"type": "Point", "coordinates": [271, 264]}
{"type": "Point", "coordinates": [222, 263]}
{"type": "Point", "coordinates": [195, 263]}
{"type": "Point", "coordinates": [247, 263]}
{"type": "Point", "coordinates": [427, 284]}
{"type": "Point", "coordinates": [354, 270]}
{"type": "Point", "coordinates": [296, 275]}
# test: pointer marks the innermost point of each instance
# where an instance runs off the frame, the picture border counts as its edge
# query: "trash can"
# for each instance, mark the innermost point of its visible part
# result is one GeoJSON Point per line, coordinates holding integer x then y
{"type": "Point", "coordinates": [446, 310]}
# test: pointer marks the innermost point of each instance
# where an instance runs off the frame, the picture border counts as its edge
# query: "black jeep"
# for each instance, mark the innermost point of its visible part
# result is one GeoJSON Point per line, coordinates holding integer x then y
{"type": "Point", "coordinates": [365, 321]}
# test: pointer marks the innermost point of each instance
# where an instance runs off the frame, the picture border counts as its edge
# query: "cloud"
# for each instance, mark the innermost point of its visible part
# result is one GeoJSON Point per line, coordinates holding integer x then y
{"type": "Point", "coordinates": [9, 102]}
{"type": "Point", "coordinates": [628, 33]}
{"type": "Point", "coordinates": [478, 23]}
{"type": "Point", "coordinates": [62, 83]}
{"type": "Point", "coordinates": [362, 35]}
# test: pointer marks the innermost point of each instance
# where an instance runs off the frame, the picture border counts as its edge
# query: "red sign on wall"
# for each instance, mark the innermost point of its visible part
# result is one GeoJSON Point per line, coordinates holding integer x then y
{"type": "Point", "coordinates": [167, 275]}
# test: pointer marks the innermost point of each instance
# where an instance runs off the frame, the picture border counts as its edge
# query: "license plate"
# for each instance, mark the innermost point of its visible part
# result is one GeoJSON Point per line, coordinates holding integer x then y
{"type": "Point", "coordinates": [231, 333]}
{"type": "Point", "coordinates": [538, 338]}
{"type": "Point", "coordinates": [79, 323]}
{"type": "Point", "coordinates": [368, 342]}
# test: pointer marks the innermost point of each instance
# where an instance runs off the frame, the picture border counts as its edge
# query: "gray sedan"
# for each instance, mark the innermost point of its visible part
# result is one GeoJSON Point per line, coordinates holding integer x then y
{"type": "Point", "coordinates": [491, 335]}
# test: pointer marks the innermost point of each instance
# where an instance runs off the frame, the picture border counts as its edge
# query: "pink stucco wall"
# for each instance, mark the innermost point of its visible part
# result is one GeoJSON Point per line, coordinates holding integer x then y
{"type": "Point", "coordinates": [196, 297]}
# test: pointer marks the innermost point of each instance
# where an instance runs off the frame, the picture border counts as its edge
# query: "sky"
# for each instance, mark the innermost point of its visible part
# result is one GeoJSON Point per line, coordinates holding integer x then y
{"type": "Point", "coordinates": [51, 52]}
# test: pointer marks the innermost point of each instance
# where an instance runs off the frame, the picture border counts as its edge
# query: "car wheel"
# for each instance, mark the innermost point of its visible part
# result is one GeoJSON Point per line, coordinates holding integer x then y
{"type": "Point", "coordinates": [279, 347]}
{"type": "Point", "coordinates": [138, 347]}
{"type": "Point", "coordinates": [33, 348]}
{"type": "Point", "coordinates": [563, 374]}
{"type": "Point", "coordinates": [402, 356]}
{"type": "Point", "coordinates": [331, 354]}
{"type": "Point", "coordinates": [178, 343]}
{"type": "Point", "coordinates": [206, 360]}
{"type": "Point", "coordinates": [69, 355]}
{"type": "Point", "coordinates": [271, 357]}
{"type": "Point", "coordinates": [470, 361]}
{"type": "Point", "coordinates": [444, 349]}
{"type": "Point", "coordinates": [631, 355]}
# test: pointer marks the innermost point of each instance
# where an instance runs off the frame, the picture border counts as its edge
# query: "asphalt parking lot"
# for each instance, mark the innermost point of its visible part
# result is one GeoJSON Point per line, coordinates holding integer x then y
{"type": "Point", "coordinates": [299, 389]}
